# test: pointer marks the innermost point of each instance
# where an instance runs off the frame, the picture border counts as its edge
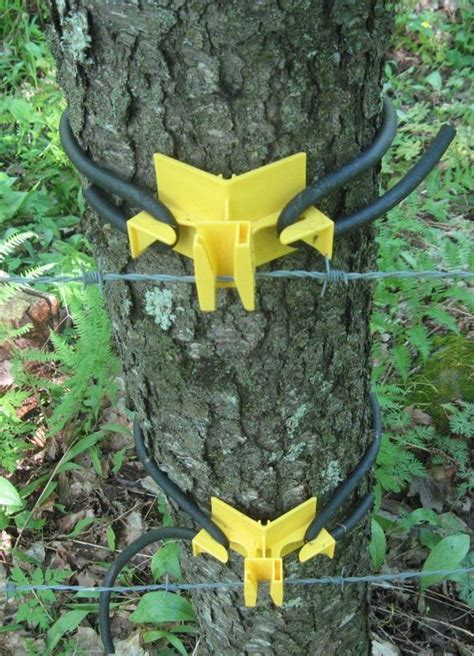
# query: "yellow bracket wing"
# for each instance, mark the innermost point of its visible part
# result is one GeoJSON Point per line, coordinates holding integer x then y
{"type": "Point", "coordinates": [227, 226]}
{"type": "Point", "coordinates": [264, 545]}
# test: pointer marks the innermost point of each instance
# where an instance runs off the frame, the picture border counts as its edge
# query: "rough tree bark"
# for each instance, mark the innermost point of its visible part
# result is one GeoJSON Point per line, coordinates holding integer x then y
{"type": "Point", "coordinates": [262, 409]}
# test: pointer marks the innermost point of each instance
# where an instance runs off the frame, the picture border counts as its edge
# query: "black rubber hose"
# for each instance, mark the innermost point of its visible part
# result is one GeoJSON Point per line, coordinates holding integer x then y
{"type": "Point", "coordinates": [361, 510]}
{"type": "Point", "coordinates": [309, 196]}
{"type": "Point", "coordinates": [107, 210]}
{"type": "Point", "coordinates": [403, 188]}
{"type": "Point", "coordinates": [168, 533]}
{"type": "Point", "coordinates": [173, 491]}
{"type": "Point", "coordinates": [110, 182]}
{"type": "Point", "coordinates": [347, 486]}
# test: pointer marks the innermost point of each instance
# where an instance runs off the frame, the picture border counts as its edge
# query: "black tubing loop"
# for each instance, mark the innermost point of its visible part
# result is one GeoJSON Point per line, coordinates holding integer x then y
{"type": "Point", "coordinates": [350, 522]}
{"type": "Point", "coordinates": [166, 533]}
{"type": "Point", "coordinates": [368, 158]}
{"type": "Point", "coordinates": [173, 491]}
{"type": "Point", "coordinates": [107, 210]}
{"type": "Point", "coordinates": [403, 188]}
{"type": "Point", "coordinates": [110, 182]}
{"type": "Point", "coordinates": [345, 488]}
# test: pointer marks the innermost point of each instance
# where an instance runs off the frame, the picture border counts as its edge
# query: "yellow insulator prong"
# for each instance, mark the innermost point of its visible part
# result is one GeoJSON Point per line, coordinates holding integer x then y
{"type": "Point", "coordinates": [263, 546]}
{"type": "Point", "coordinates": [315, 228]}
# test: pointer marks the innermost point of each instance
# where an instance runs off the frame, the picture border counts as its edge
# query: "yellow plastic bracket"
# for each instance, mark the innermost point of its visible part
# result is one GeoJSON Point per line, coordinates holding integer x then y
{"type": "Point", "coordinates": [227, 226]}
{"type": "Point", "coordinates": [264, 545]}
{"type": "Point", "coordinates": [144, 230]}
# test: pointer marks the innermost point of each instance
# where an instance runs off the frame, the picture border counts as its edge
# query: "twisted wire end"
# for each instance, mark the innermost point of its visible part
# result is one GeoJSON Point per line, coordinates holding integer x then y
{"type": "Point", "coordinates": [333, 276]}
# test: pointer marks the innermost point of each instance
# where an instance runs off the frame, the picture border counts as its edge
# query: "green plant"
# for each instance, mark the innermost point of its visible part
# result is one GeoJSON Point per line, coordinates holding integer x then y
{"type": "Point", "coordinates": [12, 428]}
{"type": "Point", "coordinates": [38, 191]}
{"type": "Point", "coordinates": [172, 613]}
{"type": "Point", "coordinates": [417, 324]}
{"type": "Point", "coordinates": [461, 418]}
{"type": "Point", "coordinates": [7, 290]}
{"type": "Point", "coordinates": [168, 609]}
{"type": "Point", "coordinates": [405, 446]}
{"type": "Point", "coordinates": [10, 501]}
{"type": "Point", "coordinates": [26, 58]}
{"type": "Point", "coordinates": [84, 355]}
{"type": "Point", "coordinates": [378, 545]}
{"type": "Point", "coordinates": [40, 610]}
{"type": "Point", "coordinates": [25, 519]}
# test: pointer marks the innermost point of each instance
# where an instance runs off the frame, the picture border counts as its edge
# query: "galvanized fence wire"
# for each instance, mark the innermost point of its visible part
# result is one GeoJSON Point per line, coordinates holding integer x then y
{"type": "Point", "coordinates": [329, 276]}
{"type": "Point", "coordinates": [10, 589]}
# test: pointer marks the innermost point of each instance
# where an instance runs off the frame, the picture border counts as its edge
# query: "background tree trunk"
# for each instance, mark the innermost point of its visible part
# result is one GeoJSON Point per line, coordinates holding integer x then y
{"type": "Point", "coordinates": [261, 409]}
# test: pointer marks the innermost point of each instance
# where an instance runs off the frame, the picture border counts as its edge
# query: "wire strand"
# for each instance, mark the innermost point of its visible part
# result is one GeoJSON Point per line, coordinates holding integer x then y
{"type": "Point", "coordinates": [10, 589]}
{"type": "Point", "coordinates": [97, 277]}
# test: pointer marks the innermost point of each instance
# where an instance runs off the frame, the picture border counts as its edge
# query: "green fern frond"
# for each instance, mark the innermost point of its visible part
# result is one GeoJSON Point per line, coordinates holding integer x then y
{"type": "Point", "coordinates": [401, 359]}
{"type": "Point", "coordinates": [396, 466]}
{"type": "Point", "coordinates": [36, 271]}
{"type": "Point", "coordinates": [10, 244]}
{"type": "Point", "coordinates": [88, 358]}
{"type": "Point", "coordinates": [461, 420]}
{"type": "Point", "coordinates": [418, 338]}
{"type": "Point", "coordinates": [36, 355]}
{"type": "Point", "coordinates": [7, 333]}
{"type": "Point", "coordinates": [64, 353]}
{"type": "Point", "coordinates": [12, 429]}
{"type": "Point", "coordinates": [8, 290]}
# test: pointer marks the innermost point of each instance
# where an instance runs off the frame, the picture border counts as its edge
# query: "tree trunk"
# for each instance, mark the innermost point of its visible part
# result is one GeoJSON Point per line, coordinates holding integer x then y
{"type": "Point", "coordinates": [262, 409]}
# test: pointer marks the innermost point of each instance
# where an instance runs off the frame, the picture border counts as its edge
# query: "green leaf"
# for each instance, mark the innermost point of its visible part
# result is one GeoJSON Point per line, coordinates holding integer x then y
{"type": "Point", "coordinates": [11, 627]}
{"type": "Point", "coordinates": [116, 428]}
{"type": "Point", "coordinates": [443, 318]}
{"type": "Point", "coordinates": [377, 492]}
{"type": "Point", "coordinates": [435, 80]}
{"type": "Point", "coordinates": [464, 295]}
{"type": "Point", "coordinates": [111, 540]}
{"type": "Point", "coordinates": [95, 454]}
{"type": "Point", "coordinates": [162, 504]}
{"type": "Point", "coordinates": [25, 519]}
{"type": "Point", "coordinates": [4, 520]}
{"type": "Point", "coordinates": [80, 526]}
{"type": "Point", "coordinates": [378, 545]}
{"type": "Point", "coordinates": [48, 490]}
{"type": "Point", "coordinates": [401, 360]}
{"type": "Point", "coordinates": [428, 538]}
{"type": "Point", "coordinates": [166, 561]}
{"type": "Point", "coordinates": [82, 445]}
{"type": "Point", "coordinates": [447, 554]}
{"type": "Point", "coordinates": [419, 516]}
{"type": "Point", "coordinates": [10, 202]}
{"type": "Point", "coordinates": [184, 628]}
{"type": "Point", "coordinates": [155, 607]}
{"type": "Point", "coordinates": [418, 337]}
{"type": "Point", "coordinates": [117, 460]}
{"type": "Point", "coordinates": [152, 636]}
{"type": "Point", "coordinates": [9, 496]}
{"type": "Point", "coordinates": [21, 110]}
{"type": "Point", "coordinates": [31, 487]}
{"type": "Point", "coordinates": [67, 622]}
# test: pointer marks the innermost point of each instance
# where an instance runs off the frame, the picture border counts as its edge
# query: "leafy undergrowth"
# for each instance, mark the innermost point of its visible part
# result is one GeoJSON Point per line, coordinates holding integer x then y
{"type": "Point", "coordinates": [79, 495]}
{"type": "Point", "coordinates": [423, 351]}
